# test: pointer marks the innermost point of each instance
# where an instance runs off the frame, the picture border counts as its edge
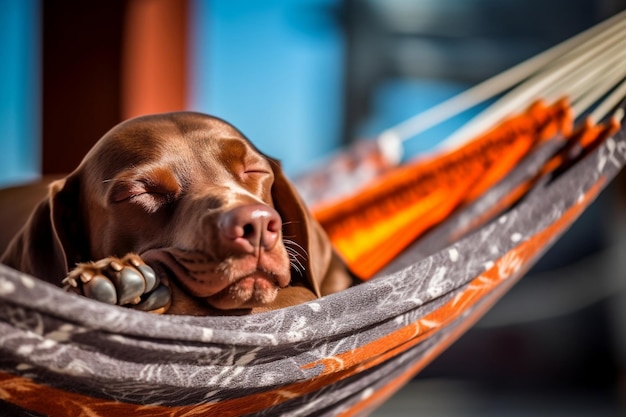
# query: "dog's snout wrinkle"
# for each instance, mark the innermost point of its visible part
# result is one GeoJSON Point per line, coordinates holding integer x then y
{"type": "Point", "coordinates": [247, 229]}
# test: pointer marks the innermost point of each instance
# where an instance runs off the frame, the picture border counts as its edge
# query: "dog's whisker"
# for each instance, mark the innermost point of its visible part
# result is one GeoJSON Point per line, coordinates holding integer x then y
{"type": "Point", "coordinates": [294, 243]}
{"type": "Point", "coordinates": [294, 260]}
{"type": "Point", "coordinates": [295, 253]}
{"type": "Point", "coordinates": [291, 222]}
{"type": "Point", "coordinates": [298, 267]}
{"type": "Point", "coordinates": [297, 257]}
{"type": "Point", "coordinates": [300, 252]}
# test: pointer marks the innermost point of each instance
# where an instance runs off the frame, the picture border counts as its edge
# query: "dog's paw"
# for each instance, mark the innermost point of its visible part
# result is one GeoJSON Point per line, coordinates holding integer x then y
{"type": "Point", "coordinates": [126, 281]}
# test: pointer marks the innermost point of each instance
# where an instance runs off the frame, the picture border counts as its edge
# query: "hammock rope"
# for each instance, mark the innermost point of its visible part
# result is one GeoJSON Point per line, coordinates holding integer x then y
{"type": "Point", "coordinates": [344, 354]}
{"type": "Point", "coordinates": [506, 80]}
{"type": "Point", "coordinates": [555, 79]}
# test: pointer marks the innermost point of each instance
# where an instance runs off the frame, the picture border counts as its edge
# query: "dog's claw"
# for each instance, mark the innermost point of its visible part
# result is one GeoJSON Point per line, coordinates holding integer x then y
{"type": "Point", "coordinates": [70, 282]}
{"type": "Point", "coordinates": [85, 277]}
{"type": "Point", "coordinates": [117, 267]}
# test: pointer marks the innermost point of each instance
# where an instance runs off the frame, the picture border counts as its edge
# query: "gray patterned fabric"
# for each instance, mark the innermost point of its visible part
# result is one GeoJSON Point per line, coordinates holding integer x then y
{"type": "Point", "coordinates": [61, 354]}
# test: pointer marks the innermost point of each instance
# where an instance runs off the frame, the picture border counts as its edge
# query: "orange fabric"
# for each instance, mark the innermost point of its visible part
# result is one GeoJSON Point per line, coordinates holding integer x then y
{"type": "Point", "coordinates": [585, 136]}
{"type": "Point", "coordinates": [372, 227]}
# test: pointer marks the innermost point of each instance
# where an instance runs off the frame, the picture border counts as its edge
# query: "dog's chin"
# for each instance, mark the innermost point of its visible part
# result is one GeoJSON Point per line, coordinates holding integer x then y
{"type": "Point", "coordinates": [221, 286]}
{"type": "Point", "coordinates": [252, 291]}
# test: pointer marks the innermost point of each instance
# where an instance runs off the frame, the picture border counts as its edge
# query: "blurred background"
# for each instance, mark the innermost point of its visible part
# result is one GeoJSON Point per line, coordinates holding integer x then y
{"type": "Point", "coordinates": [302, 78]}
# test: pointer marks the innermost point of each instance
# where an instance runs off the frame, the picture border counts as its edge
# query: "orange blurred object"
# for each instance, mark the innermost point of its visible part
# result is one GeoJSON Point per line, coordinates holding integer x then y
{"type": "Point", "coordinates": [154, 61]}
{"type": "Point", "coordinates": [370, 228]}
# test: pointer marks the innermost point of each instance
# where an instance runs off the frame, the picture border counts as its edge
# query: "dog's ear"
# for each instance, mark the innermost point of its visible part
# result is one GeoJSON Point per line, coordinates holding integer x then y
{"type": "Point", "coordinates": [316, 260]}
{"type": "Point", "coordinates": [68, 228]}
{"type": "Point", "coordinates": [47, 244]}
{"type": "Point", "coordinates": [308, 245]}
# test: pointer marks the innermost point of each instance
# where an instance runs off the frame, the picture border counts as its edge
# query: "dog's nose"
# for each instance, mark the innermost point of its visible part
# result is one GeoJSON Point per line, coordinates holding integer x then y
{"type": "Point", "coordinates": [247, 228]}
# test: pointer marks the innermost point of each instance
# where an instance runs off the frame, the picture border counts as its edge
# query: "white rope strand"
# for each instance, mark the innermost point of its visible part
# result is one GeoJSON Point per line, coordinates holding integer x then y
{"type": "Point", "coordinates": [391, 138]}
{"type": "Point", "coordinates": [533, 89]}
{"type": "Point", "coordinates": [502, 81]}
{"type": "Point", "coordinates": [597, 90]}
{"type": "Point", "coordinates": [578, 82]}
{"type": "Point", "coordinates": [609, 103]}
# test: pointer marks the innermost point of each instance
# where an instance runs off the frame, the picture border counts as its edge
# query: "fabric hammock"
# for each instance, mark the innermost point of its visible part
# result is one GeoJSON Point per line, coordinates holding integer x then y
{"type": "Point", "coordinates": [512, 192]}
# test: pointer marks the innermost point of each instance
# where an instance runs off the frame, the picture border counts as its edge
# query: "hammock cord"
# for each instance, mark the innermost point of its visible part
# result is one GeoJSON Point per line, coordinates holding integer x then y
{"type": "Point", "coordinates": [567, 53]}
{"type": "Point", "coordinates": [563, 78]}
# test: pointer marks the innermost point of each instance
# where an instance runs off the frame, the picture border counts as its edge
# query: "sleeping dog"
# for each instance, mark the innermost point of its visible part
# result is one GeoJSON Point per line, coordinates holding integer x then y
{"type": "Point", "coordinates": [179, 213]}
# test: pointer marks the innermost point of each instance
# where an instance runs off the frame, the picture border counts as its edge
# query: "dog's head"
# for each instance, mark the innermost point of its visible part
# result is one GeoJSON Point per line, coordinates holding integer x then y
{"type": "Point", "coordinates": [192, 196]}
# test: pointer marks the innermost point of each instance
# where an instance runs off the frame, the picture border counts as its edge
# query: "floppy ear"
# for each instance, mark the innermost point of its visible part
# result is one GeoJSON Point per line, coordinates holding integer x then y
{"type": "Point", "coordinates": [323, 269]}
{"type": "Point", "coordinates": [67, 221]}
{"type": "Point", "coordinates": [44, 247]}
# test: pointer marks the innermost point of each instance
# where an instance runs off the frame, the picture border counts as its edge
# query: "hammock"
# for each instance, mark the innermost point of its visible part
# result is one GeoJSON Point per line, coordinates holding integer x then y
{"type": "Point", "coordinates": [485, 207]}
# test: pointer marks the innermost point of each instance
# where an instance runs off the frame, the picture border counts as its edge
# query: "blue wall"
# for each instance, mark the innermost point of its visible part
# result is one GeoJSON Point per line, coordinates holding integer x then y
{"type": "Point", "coordinates": [274, 69]}
{"type": "Point", "coordinates": [20, 112]}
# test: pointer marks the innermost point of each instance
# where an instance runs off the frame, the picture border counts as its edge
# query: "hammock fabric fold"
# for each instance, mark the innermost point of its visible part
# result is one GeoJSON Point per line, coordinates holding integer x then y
{"type": "Point", "coordinates": [61, 354]}
{"type": "Point", "coordinates": [439, 240]}
{"type": "Point", "coordinates": [372, 227]}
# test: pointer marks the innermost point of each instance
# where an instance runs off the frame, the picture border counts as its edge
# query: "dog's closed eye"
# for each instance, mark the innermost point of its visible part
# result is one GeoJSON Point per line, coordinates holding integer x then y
{"type": "Point", "coordinates": [151, 191]}
{"type": "Point", "coordinates": [256, 169]}
{"type": "Point", "coordinates": [255, 172]}
{"type": "Point", "coordinates": [148, 196]}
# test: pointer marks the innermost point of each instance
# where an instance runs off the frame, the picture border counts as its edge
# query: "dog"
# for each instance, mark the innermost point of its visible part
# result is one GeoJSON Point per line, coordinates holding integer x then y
{"type": "Point", "coordinates": [179, 213]}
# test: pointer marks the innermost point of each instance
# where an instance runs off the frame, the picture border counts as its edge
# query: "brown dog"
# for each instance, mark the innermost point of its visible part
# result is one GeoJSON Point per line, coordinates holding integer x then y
{"type": "Point", "coordinates": [179, 213]}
